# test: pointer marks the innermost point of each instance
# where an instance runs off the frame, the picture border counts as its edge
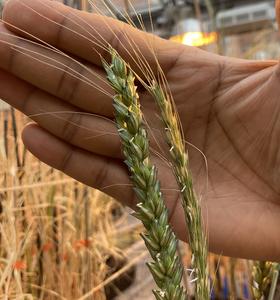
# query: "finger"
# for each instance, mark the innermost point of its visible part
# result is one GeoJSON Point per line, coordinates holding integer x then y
{"type": "Point", "coordinates": [55, 73]}
{"type": "Point", "coordinates": [93, 170]}
{"type": "Point", "coordinates": [107, 175]}
{"type": "Point", "coordinates": [79, 32]}
{"type": "Point", "coordinates": [87, 131]}
{"type": "Point", "coordinates": [277, 3]}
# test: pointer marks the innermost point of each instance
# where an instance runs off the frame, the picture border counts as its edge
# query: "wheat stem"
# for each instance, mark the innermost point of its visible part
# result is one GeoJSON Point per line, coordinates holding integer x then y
{"type": "Point", "coordinates": [275, 276]}
{"type": "Point", "coordinates": [191, 206]}
{"type": "Point", "coordinates": [159, 237]}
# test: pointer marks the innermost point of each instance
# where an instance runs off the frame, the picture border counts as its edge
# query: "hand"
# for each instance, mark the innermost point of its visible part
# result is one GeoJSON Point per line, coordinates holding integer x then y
{"type": "Point", "coordinates": [229, 109]}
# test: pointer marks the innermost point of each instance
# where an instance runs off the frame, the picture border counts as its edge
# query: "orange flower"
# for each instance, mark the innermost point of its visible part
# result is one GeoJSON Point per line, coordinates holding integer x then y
{"type": "Point", "coordinates": [81, 244]}
{"type": "Point", "coordinates": [19, 265]}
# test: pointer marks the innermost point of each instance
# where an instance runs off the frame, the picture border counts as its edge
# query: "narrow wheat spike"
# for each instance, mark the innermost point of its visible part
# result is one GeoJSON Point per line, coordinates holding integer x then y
{"type": "Point", "coordinates": [159, 238]}
{"type": "Point", "coordinates": [261, 278]}
{"type": "Point", "coordinates": [191, 206]}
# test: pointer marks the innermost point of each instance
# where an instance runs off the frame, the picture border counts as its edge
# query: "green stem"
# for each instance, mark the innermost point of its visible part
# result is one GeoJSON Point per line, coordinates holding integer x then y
{"type": "Point", "coordinates": [273, 284]}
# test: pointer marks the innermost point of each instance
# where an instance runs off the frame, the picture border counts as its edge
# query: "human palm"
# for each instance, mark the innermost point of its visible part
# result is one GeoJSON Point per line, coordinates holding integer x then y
{"type": "Point", "coordinates": [228, 109]}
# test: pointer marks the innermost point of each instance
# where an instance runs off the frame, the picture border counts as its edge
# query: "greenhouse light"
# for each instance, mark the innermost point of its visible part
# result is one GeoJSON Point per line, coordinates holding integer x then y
{"type": "Point", "coordinates": [196, 39]}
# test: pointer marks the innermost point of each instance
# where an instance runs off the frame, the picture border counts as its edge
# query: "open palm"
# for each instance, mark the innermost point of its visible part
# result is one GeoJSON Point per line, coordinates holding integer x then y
{"type": "Point", "coordinates": [229, 110]}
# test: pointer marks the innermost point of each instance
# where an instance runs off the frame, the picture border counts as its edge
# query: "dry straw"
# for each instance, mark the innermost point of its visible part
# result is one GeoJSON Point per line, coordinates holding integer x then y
{"type": "Point", "coordinates": [159, 238]}
{"type": "Point", "coordinates": [59, 244]}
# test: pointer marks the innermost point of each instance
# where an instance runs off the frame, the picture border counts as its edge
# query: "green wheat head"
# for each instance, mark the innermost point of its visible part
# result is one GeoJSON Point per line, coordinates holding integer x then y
{"type": "Point", "coordinates": [159, 238]}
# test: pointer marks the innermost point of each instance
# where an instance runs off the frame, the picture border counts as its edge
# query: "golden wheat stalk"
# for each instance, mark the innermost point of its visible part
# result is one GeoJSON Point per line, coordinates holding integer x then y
{"type": "Point", "coordinates": [191, 206]}
{"type": "Point", "coordinates": [159, 237]}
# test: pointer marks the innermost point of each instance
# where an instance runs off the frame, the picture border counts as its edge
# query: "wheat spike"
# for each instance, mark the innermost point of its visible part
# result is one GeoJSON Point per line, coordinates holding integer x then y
{"type": "Point", "coordinates": [261, 278]}
{"type": "Point", "coordinates": [159, 237]}
{"type": "Point", "coordinates": [191, 206]}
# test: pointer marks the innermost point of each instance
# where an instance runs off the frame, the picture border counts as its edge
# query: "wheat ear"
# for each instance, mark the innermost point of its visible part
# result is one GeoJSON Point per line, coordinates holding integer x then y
{"type": "Point", "coordinates": [261, 278]}
{"type": "Point", "coordinates": [191, 206]}
{"type": "Point", "coordinates": [159, 238]}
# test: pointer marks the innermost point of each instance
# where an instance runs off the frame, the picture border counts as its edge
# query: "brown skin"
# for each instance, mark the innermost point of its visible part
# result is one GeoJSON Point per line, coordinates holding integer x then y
{"type": "Point", "coordinates": [229, 109]}
{"type": "Point", "coordinates": [277, 3]}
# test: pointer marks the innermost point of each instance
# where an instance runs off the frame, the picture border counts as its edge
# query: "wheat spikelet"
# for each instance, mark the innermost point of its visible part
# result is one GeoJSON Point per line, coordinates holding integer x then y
{"type": "Point", "coordinates": [159, 238]}
{"type": "Point", "coordinates": [190, 202]}
{"type": "Point", "coordinates": [261, 278]}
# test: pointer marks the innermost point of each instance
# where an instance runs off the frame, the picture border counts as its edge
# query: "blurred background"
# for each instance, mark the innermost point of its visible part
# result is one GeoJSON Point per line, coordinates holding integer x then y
{"type": "Point", "coordinates": [235, 28]}
{"type": "Point", "coordinates": [62, 240]}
